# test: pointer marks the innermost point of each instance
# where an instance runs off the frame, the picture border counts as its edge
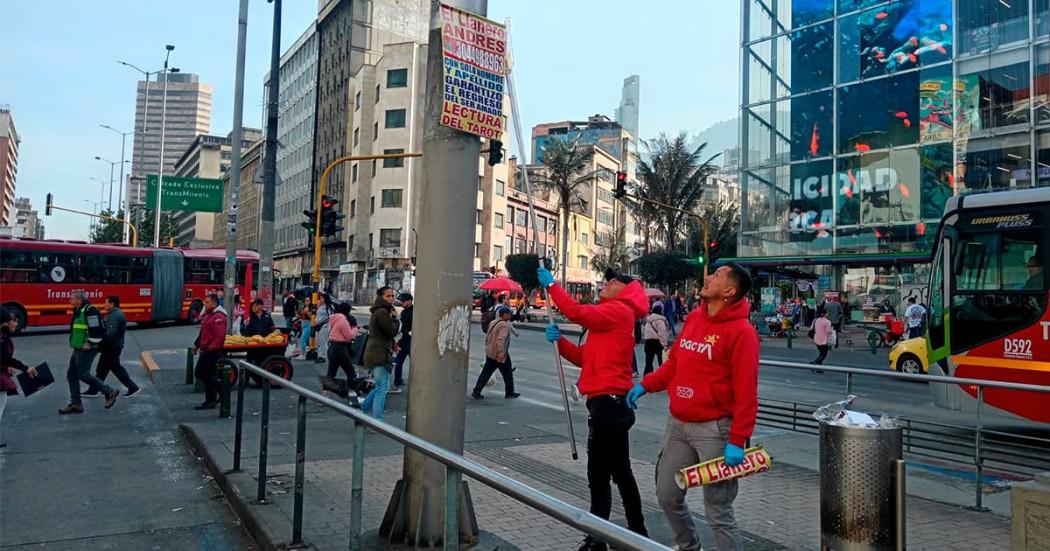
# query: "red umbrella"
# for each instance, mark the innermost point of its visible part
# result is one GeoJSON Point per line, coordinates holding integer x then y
{"type": "Point", "coordinates": [501, 284]}
{"type": "Point", "coordinates": [654, 293]}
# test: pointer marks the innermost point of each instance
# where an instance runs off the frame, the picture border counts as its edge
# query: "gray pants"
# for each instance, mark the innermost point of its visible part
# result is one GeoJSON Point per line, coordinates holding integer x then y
{"type": "Point", "coordinates": [684, 445]}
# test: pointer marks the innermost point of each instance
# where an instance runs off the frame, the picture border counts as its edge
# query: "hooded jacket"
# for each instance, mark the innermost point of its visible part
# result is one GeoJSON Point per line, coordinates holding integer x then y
{"type": "Point", "coordinates": [655, 328]}
{"type": "Point", "coordinates": [381, 332]}
{"type": "Point", "coordinates": [712, 371]}
{"type": "Point", "coordinates": [605, 359]}
{"type": "Point", "coordinates": [213, 330]}
{"type": "Point", "coordinates": [7, 359]}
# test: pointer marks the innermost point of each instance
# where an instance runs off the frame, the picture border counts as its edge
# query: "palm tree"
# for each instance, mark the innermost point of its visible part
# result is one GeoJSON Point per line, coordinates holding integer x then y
{"type": "Point", "coordinates": [614, 252]}
{"type": "Point", "coordinates": [674, 175]}
{"type": "Point", "coordinates": [565, 172]}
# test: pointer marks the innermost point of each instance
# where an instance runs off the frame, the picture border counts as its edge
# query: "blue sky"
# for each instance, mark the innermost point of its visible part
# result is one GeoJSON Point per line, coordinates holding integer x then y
{"type": "Point", "coordinates": [62, 78]}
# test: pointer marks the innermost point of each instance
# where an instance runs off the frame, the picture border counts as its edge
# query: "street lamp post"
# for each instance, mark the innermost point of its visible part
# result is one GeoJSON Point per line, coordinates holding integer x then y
{"type": "Point", "coordinates": [145, 129]}
{"type": "Point", "coordinates": [111, 165]}
{"type": "Point", "coordinates": [123, 140]}
{"type": "Point", "coordinates": [160, 164]}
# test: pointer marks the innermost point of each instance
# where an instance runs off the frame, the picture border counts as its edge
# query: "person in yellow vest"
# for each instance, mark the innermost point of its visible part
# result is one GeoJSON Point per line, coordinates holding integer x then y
{"type": "Point", "coordinates": [86, 330]}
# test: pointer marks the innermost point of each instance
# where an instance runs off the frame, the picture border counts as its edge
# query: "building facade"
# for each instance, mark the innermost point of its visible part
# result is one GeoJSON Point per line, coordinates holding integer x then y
{"type": "Point", "coordinates": [27, 222]}
{"type": "Point", "coordinates": [9, 142]}
{"type": "Point", "coordinates": [860, 118]}
{"type": "Point", "coordinates": [630, 96]}
{"type": "Point", "coordinates": [207, 156]}
{"type": "Point", "coordinates": [188, 114]}
{"type": "Point", "coordinates": [296, 110]}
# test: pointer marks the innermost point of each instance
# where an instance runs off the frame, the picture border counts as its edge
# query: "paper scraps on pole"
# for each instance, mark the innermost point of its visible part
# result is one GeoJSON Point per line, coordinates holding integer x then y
{"type": "Point", "coordinates": [756, 460]}
{"type": "Point", "coordinates": [474, 51]}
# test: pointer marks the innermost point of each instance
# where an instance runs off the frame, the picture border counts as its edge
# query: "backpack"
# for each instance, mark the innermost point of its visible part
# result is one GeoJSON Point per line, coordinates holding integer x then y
{"type": "Point", "coordinates": [357, 347]}
{"type": "Point", "coordinates": [486, 320]}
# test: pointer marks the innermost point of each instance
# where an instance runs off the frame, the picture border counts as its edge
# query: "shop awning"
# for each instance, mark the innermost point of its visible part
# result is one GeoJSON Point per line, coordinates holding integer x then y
{"type": "Point", "coordinates": [873, 259]}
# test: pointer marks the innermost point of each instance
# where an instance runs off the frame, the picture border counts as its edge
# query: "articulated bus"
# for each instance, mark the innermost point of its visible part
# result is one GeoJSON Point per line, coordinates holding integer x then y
{"type": "Point", "coordinates": [154, 285]}
{"type": "Point", "coordinates": [989, 287]}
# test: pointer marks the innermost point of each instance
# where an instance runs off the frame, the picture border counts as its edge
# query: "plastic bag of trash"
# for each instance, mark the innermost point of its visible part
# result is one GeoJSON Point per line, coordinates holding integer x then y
{"type": "Point", "coordinates": [836, 413]}
{"type": "Point", "coordinates": [831, 413]}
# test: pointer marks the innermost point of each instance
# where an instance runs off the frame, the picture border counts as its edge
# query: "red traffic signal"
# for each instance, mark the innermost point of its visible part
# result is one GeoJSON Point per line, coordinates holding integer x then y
{"type": "Point", "coordinates": [621, 185]}
{"type": "Point", "coordinates": [328, 202]}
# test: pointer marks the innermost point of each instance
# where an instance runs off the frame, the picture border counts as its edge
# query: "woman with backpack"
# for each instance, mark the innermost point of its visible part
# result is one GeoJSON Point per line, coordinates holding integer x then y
{"type": "Point", "coordinates": [657, 335]}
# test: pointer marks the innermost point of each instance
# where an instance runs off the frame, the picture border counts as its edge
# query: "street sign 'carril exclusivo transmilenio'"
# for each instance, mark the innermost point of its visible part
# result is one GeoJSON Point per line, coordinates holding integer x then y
{"type": "Point", "coordinates": [474, 51]}
{"type": "Point", "coordinates": [193, 194]}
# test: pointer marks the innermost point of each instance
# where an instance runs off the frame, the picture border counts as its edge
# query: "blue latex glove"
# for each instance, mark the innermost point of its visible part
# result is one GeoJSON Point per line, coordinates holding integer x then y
{"type": "Point", "coordinates": [633, 395]}
{"type": "Point", "coordinates": [553, 333]}
{"type": "Point", "coordinates": [734, 455]}
{"type": "Point", "coordinates": [545, 276]}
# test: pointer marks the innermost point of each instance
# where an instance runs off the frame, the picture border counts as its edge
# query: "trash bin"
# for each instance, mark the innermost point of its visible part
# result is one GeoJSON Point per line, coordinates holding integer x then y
{"type": "Point", "coordinates": [861, 505]}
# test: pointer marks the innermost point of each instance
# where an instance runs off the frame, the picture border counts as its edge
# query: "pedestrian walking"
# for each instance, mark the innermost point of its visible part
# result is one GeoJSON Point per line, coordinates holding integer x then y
{"type": "Point", "coordinates": [111, 348]}
{"type": "Point", "coordinates": [305, 315]}
{"type": "Point", "coordinates": [605, 379]}
{"type": "Point", "coordinates": [669, 313]}
{"type": "Point", "coordinates": [821, 334]}
{"type": "Point", "coordinates": [915, 313]}
{"type": "Point", "coordinates": [404, 342]}
{"type": "Point", "coordinates": [834, 308]}
{"type": "Point", "coordinates": [713, 369]}
{"type": "Point", "coordinates": [209, 344]}
{"type": "Point", "coordinates": [320, 326]}
{"type": "Point", "coordinates": [344, 330]}
{"type": "Point", "coordinates": [379, 350]}
{"type": "Point", "coordinates": [497, 355]}
{"type": "Point", "coordinates": [86, 331]}
{"type": "Point", "coordinates": [657, 335]}
{"type": "Point", "coordinates": [9, 365]}
{"type": "Point", "coordinates": [289, 309]}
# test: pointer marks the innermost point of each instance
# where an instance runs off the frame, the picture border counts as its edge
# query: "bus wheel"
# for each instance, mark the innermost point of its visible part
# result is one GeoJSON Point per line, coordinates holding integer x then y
{"type": "Point", "coordinates": [909, 363]}
{"type": "Point", "coordinates": [280, 366]}
{"type": "Point", "coordinates": [20, 315]}
{"type": "Point", "coordinates": [194, 315]}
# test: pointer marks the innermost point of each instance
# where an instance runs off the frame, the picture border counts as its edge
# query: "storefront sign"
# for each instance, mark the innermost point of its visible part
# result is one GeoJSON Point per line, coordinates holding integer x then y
{"type": "Point", "coordinates": [474, 51]}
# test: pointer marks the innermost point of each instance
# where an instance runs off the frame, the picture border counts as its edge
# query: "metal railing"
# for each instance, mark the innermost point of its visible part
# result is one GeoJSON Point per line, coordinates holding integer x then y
{"type": "Point", "coordinates": [980, 447]}
{"type": "Point", "coordinates": [455, 467]}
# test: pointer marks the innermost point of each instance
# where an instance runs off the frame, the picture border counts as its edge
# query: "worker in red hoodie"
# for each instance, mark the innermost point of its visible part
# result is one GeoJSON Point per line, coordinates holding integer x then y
{"type": "Point", "coordinates": [711, 378]}
{"type": "Point", "coordinates": [605, 377]}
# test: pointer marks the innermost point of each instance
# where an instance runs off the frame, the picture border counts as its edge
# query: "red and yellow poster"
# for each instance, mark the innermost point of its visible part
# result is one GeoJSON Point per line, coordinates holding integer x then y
{"type": "Point", "coordinates": [475, 56]}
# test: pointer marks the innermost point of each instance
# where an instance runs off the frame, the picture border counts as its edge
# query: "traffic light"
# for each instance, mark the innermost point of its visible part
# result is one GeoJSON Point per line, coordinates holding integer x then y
{"type": "Point", "coordinates": [330, 217]}
{"type": "Point", "coordinates": [700, 260]}
{"type": "Point", "coordinates": [621, 185]}
{"type": "Point", "coordinates": [50, 201]}
{"type": "Point", "coordinates": [495, 152]}
{"type": "Point", "coordinates": [311, 221]}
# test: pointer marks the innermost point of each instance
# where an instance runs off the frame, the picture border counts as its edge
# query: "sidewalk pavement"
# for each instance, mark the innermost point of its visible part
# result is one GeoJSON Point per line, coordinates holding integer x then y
{"type": "Point", "coordinates": [776, 510]}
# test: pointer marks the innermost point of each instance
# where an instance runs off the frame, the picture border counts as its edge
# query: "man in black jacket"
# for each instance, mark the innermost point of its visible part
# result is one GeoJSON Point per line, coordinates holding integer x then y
{"type": "Point", "coordinates": [110, 349]}
{"type": "Point", "coordinates": [405, 342]}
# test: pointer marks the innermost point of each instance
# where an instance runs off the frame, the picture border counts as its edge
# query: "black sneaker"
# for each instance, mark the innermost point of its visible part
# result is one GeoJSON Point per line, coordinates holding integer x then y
{"type": "Point", "coordinates": [512, 395]}
{"type": "Point", "coordinates": [90, 394]}
{"type": "Point", "coordinates": [206, 405]}
{"type": "Point", "coordinates": [132, 391]}
{"type": "Point", "coordinates": [111, 398]}
{"type": "Point", "coordinates": [592, 544]}
{"type": "Point", "coordinates": [476, 395]}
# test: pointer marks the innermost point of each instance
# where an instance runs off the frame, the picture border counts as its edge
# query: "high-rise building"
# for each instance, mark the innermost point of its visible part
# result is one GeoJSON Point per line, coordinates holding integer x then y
{"type": "Point", "coordinates": [295, 157]}
{"type": "Point", "coordinates": [188, 114]}
{"type": "Point", "coordinates": [859, 122]}
{"type": "Point", "coordinates": [27, 221]}
{"type": "Point", "coordinates": [207, 156]}
{"type": "Point", "coordinates": [627, 113]}
{"type": "Point", "coordinates": [9, 141]}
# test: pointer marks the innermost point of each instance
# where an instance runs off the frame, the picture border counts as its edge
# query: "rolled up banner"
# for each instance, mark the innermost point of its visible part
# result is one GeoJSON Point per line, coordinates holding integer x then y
{"type": "Point", "coordinates": [756, 460]}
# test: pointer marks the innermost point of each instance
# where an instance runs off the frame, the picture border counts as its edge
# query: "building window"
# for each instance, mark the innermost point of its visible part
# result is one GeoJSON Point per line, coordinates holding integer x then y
{"type": "Point", "coordinates": [377, 93]}
{"type": "Point", "coordinates": [391, 198]}
{"type": "Point", "coordinates": [395, 118]}
{"type": "Point", "coordinates": [477, 217]}
{"type": "Point", "coordinates": [375, 164]}
{"type": "Point", "coordinates": [499, 220]}
{"type": "Point", "coordinates": [519, 245]}
{"type": "Point", "coordinates": [521, 218]}
{"type": "Point", "coordinates": [509, 241]}
{"type": "Point", "coordinates": [375, 131]}
{"type": "Point", "coordinates": [501, 188]}
{"type": "Point", "coordinates": [497, 253]}
{"type": "Point", "coordinates": [510, 214]}
{"type": "Point", "coordinates": [477, 250]}
{"type": "Point", "coordinates": [583, 261]}
{"type": "Point", "coordinates": [997, 96]}
{"type": "Point", "coordinates": [481, 183]}
{"type": "Point", "coordinates": [583, 238]}
{"type": "Point", "coordinates": [353, 173]}
{"type": "Point", "coordinates": [987, 25]}
{"type": "Point", "coordinates": [353, 208]}
{"type": "Point", "coordinates": [552, 226]}
{"type": "Point", "coordinates": [393, 163]}
{"type": "Point", "coordinates": [357, 101]}
{"type": "Point", "coordinates": [605, 217]}
{"type": "Point", "coordinates": [397, 78]}
{"type": "Point", "coordinates": [389, 237]}
{"type": "Point", "coordinates": [372, 205]}
{"type": "Point", "coordinates": [357, 137]}
{"type": "Point", "coordinates": [371, 240]}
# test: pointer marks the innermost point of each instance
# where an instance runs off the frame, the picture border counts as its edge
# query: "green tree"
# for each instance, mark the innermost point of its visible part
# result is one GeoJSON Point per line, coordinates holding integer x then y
{"type": "Point", "coordinates": [168, 228]}
{"type": "Point", "coordinates": [565, 172]}
{"type": "Point", "coordinates": [666, 268]}
{"type": "Point", "coordinates": [613, 252]}
{"type": "Point", "coordinates": [723, 221]}
{"type": "Point", "coordinates": [107, 229]}
{"type": "Point", "coordinates": [673, 175]}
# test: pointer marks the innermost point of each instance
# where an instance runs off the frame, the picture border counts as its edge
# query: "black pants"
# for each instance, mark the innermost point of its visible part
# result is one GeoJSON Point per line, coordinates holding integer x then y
{"type": "Point", "coordinates": [209, 375]}
{"type": "Point", "coordinates": [506, 369]}
{"type": "Point", "coordinates": [609, 457]}
{"type": "Point", "coordinates": [653, 351]}
{"type": "Point", "coordinates": [823, 349]}
{"type": "Point", "coordinates": [339, 358]}
{"type": "Point", "coordinates": [109, 361]}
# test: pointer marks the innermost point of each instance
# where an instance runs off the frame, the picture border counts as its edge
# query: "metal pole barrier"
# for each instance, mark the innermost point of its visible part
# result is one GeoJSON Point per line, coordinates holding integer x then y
{"type": "Point", "coordinates": [300, 472]}
{"type": "Point", "coordinates": [357, 486]}
{"type": "Point", "coordinates": [900, 502]}
{"type": "Point", "coordinates": [978, 460]}
{"type": "Point", "coordinates": [849, 383]}
{"type": "Point", "coordinates": [239, 425]}
{"type": "Point", "coordinates": [451, 539]}
{"type": "Point", "coordinates": [225, 389]}
{"type": "Point", "coordinates": [264, 440]}
{"type": "Point", "coordinates": [189, 365]}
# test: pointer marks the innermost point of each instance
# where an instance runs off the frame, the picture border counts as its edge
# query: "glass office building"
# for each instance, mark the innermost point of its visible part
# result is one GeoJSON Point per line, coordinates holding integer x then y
{"type": "Point", "coordinates": [860, 117]}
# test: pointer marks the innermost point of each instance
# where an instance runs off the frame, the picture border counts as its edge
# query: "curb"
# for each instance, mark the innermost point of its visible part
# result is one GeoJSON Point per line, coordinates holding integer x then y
{"type": "Point", "coordinates": [262, 530]}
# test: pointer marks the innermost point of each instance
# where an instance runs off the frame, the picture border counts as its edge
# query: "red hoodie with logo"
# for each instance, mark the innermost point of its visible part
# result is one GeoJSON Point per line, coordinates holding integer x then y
{"type": "Point", "coordinates": [712, 371]}
{"type": "Point", "coordinates": [605, 359]}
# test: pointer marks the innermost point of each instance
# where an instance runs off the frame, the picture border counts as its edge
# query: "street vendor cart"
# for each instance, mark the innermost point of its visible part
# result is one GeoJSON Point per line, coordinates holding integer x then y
{"type": "Point", "coordinates": [266, 352]}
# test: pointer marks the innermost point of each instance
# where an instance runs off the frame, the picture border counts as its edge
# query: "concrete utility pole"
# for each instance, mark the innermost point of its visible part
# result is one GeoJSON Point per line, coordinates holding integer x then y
{"type": "Point", "coordinates": [160, 164]}
{"type": "Point", "coordinates": [235, 165]}
{"type": "Point", "coordinates": [269, 191]}
{"type": "Point", "coordinates": [441, 333]}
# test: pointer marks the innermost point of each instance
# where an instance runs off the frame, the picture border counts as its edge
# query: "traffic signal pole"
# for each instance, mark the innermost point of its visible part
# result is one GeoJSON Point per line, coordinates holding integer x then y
{"type": "Point", "coordinates": [125, 221]}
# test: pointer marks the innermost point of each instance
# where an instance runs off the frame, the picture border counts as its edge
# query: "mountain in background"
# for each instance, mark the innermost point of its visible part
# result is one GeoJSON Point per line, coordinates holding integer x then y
{"type": "Point", "coordinates": [719, 137]}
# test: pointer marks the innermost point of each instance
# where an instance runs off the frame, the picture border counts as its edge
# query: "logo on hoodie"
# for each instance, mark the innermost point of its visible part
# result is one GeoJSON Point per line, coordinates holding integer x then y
{"type": "Point", "coordinates": [705, 348]}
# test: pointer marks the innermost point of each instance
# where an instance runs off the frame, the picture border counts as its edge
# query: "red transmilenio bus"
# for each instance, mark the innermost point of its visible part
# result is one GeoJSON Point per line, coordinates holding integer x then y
{"type": "Point", "coordinates": [37, 278]}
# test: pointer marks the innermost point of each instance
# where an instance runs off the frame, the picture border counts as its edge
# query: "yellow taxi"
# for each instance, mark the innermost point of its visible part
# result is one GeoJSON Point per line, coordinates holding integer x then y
{"type": "Point", "coordinates": [909, 356]}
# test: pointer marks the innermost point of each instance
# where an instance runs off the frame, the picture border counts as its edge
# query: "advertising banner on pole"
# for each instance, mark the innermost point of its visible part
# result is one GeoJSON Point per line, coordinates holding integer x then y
{"type": "Point", "coordinates": [474, 51]}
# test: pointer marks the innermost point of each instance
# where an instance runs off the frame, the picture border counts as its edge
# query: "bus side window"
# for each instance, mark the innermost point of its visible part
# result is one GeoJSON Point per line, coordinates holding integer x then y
{"type": "Point", "coordinates": [16, 266]}
{"type": "Point", "coordinates": [140, 272]}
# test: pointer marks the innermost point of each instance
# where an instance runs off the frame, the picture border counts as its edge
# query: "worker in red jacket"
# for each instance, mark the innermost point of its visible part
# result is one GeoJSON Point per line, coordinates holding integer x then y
{"type": "Point", "coordinates": [209, 343]}
{"type": "Point", "coordinates": [605, 378]}
{"type": "Point", "coordinates": [711, 378]}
